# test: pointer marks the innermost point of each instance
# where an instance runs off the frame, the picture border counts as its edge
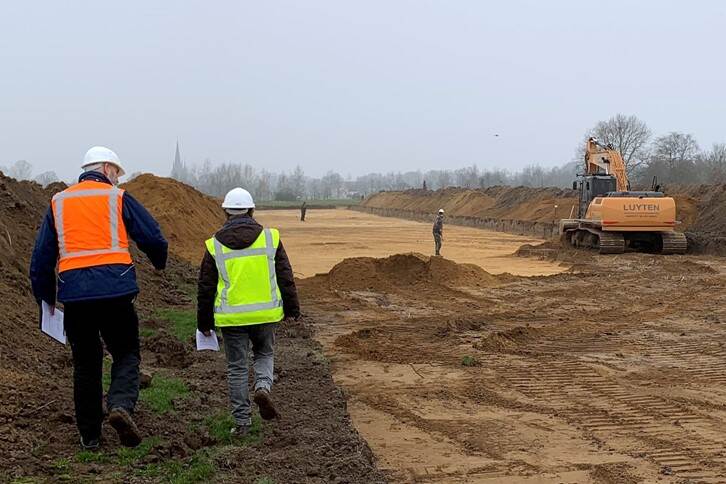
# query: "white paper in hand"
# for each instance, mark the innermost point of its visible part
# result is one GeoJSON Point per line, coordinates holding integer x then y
{"type": "Point", "coordinates": [52, 324]}
{"type": "Point", "coordinates": [207, 342]}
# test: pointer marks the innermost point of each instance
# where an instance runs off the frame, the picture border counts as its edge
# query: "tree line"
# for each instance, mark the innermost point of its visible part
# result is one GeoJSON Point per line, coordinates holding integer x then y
{"type": "Point", "coordinates": [672, 157]}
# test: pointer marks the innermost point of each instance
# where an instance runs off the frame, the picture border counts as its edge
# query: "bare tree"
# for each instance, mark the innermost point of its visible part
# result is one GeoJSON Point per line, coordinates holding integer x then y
{"type": "Point", "coordinates": [627, 134]}
{"type": "Point", "coordinates": [46, 178]}
{"type": "Point", "coordinates": [21, 170]}
{"type": "Point", "coordinates": [714, 162]}
{"type": "Point", "coordinates": [674, 158]}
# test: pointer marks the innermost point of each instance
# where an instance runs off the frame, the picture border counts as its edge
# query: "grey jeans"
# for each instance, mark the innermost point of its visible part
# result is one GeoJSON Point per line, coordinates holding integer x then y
{"type": "Point", "coordinates": [236, 347]}
{"type": "Point", "coordinates": [437, 243]}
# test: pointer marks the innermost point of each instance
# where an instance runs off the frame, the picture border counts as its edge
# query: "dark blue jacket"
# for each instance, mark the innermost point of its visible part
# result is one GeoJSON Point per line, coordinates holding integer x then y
{"type": "Point", "coordinates": [98, 282]}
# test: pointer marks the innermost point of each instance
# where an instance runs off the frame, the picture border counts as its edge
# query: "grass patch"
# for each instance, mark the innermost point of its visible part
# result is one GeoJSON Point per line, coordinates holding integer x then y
{"type": "Point", "coordinates": [183, 323]}
{"type": "Point", "coordinates": [199, 468]}
{"type": "Point", "coordinates": [161, 394]}
{"type": "Point", "coordinates": [220, 427]}
{"type": "Point", "coordinates": [147, 332]}
{"type": "Point", "coordinates": [127, 456]}
{"type": "Point", "coordinates": [62, 464]}
{"type": "Point", "coordinates": [469, 361]}
{"type": "Point", "coordinates": [106, 376]}
{"type": "Point", "coordinates": [91, 457]}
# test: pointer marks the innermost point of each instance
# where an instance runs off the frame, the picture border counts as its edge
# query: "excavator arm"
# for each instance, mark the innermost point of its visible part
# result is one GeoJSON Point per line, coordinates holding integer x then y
{"type": "Point", "coordinates": [604, 160]}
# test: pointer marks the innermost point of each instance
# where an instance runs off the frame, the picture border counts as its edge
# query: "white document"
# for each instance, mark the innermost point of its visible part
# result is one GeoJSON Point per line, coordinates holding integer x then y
{"type": "Point", "coordinates": [52, 324]}
{"type": "Point", "coordinates": [207, 342]}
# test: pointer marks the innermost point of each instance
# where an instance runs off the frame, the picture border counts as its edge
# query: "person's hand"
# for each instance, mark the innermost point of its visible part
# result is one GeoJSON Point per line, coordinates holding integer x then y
{"type": "Point", "coordinates": [207, 333]}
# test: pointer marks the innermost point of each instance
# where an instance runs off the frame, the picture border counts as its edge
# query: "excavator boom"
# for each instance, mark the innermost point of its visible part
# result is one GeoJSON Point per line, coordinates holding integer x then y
{"type": "Point", "coordinates": [605, 160]}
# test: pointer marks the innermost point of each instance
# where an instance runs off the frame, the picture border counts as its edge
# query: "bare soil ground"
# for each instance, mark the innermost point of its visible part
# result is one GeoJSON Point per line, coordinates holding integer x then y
{"type": "Point", "coordinates": [184, 414]}
{"type": "Point", "coordinates": [609, 369]}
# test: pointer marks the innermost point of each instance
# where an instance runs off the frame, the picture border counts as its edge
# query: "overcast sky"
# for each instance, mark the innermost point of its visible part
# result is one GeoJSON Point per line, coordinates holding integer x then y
{"type": "Point", "coordinates": [350, 86]}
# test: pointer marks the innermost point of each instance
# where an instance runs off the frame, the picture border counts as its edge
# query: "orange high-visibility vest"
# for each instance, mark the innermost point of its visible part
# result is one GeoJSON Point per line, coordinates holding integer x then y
{"type": "Point", "coordinates": [91, 230]}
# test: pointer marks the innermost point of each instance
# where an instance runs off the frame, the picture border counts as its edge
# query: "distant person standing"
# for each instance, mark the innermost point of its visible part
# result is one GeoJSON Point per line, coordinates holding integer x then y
{"type": "Point", "coordinates": [439, 231]}
{"type": "Point", "coordinates": [303, 211]}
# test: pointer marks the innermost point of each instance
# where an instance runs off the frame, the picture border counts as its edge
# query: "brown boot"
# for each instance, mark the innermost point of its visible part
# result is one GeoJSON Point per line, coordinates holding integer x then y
{"type": "Point", "coordinates": [124, 425]}
{"type": "Point", "coordinates": [267, 408]}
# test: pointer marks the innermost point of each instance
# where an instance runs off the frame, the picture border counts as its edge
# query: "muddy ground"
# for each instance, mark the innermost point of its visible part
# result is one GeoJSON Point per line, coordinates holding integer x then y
{"type": "Point", "coordinates": [184, 413]}
{"type": "Point", "coordinates": [610, 371]}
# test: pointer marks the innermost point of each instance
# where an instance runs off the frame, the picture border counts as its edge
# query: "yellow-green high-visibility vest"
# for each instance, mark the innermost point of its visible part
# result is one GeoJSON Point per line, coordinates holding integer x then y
{"type": "Point", "coordinates": [247, 291]}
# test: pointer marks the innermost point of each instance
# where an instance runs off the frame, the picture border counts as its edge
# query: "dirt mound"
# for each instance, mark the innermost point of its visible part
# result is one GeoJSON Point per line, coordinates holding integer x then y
{"type": "Point", "coordinates": [187, 216]}
{"type": "Point", "coordinates": [401, 271]}
{"type": "Point", "coordinates": [509, 340]}
{"type": "Point", "coordinates": [512, 203]}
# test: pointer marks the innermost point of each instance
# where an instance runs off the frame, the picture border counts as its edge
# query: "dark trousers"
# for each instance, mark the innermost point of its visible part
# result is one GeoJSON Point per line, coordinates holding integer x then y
{"type": "Point", "coordinates": [115, 321]}
{"type": "Point", "coordinates": [437, 243]}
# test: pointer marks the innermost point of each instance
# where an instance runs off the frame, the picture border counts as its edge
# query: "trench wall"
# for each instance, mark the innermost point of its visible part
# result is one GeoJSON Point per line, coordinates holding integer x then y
{"type": "Point", "coordinates": [545, 230]}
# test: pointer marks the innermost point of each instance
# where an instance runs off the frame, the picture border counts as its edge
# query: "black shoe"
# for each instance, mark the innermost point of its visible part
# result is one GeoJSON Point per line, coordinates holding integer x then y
{"type": "Point", "coordinates": [240, 431]}
{"type": "Point", "coordinates": [124, 425]}
{"type": "Point", "coordinates": [267, 408]}
{"type": "Point", "coordinates": [90, 444]}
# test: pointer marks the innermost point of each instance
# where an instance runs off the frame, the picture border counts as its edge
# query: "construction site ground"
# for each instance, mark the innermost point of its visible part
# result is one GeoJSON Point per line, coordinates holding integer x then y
{"type": "Point", "coordinates": [484, 366]}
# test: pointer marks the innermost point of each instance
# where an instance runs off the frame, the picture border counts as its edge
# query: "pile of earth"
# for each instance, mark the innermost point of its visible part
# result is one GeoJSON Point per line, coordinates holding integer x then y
{"type": "Point", "coordinates": [402, 271]}
{"type": "Point", "coordinates": [507, 203]}
{"type": "Point", "coordinates": [187, 216]}
{"type": "Point", "coordinates": [38, 438]}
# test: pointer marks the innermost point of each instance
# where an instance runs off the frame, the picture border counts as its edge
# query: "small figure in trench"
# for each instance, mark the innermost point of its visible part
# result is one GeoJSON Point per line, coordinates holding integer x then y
{"type": "Point", "coordinates": [439, 231]}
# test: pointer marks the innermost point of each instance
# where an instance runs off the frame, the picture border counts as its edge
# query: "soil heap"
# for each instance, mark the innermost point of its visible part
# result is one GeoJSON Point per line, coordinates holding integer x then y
{"type": "Point", "coordinates": [404, 271]}
{"type": "Point", "coordinates": [187, 216]}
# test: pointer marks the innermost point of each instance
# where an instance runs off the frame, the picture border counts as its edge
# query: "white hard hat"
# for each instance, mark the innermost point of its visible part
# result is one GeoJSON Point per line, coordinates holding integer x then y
{"type": "Point", "coordinates": [101, 154]}
{"type": "Point", "coordinates": [238, 198]}
{"type": "Point", "coordinates": [441, 210]}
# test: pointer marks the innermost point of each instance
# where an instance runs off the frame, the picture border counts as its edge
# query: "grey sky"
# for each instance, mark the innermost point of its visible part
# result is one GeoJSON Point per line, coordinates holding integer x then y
{"type": "Point", "coordinates": [350, 86]}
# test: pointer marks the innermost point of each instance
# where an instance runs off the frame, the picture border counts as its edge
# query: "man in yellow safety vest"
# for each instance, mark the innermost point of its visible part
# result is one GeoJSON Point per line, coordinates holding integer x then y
{"type": "Point", "coordinates": [246, 285]}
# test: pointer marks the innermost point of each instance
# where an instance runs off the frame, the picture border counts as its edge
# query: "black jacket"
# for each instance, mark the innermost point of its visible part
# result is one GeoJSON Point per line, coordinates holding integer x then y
{"type": "Point", "coordinates": [239, 232]}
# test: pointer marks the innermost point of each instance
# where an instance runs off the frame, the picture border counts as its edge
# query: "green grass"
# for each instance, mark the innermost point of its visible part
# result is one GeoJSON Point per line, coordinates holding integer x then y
{"type": "Point", "coordinates": [147, 332]}
{"type": "Point", "coordinates": [106, 377]}
{"type": "Point", "coordinates": [183, 322]}
{"type": "Point", "coordinates": [469, 361]}
{"type": "Point", "coordinates": [91, 457]}
{"type": "Point", "coordinates": [62, 464]}
{"type": "Point", "coordinates": [221, 425]}
{"type": "Point", "coordinates": [127, 456]}
{"type": "Point", "coordinates": [161, 394]}
{"type": "Point", "coordinates": [200, 468]}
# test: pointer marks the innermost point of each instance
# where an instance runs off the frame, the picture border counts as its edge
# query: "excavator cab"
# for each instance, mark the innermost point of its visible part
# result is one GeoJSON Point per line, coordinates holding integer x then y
{"type": "Point", "coordinates": [590, 187]}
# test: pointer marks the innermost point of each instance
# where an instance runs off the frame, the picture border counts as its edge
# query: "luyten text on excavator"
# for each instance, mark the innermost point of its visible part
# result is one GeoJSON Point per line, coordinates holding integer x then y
{"type": "Point", "coordinates": [611, 217]}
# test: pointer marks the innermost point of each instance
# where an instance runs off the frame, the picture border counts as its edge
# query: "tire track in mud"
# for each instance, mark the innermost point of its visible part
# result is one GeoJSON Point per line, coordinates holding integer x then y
{"type": "Point", "coordinates": [610, 410]}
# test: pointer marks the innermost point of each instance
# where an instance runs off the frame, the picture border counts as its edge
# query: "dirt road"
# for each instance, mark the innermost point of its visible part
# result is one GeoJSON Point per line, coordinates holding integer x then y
{"type": "Point", "coordinates": [329, 236]}
{"type": "Point", "coordinates": [612, 372]}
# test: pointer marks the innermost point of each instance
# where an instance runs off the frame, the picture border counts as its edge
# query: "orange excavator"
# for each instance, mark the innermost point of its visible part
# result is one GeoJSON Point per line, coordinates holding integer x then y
{"type": "Point", "coordinates": [611, 217]}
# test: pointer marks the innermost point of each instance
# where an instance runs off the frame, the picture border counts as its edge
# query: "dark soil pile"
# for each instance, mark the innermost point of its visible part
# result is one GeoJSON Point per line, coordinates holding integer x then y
{"type": "Point", "coordinates": [314, 442]}
{"type": "Point", "coordinates": [187, 216]}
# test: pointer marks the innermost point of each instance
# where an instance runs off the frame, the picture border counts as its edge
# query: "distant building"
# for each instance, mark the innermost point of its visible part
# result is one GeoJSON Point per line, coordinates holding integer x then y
{"type": "Point", "coordinates": [179, 170]}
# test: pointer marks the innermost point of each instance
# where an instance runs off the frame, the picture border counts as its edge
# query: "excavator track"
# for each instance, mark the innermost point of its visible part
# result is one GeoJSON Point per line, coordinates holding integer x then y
{"type": "Point", "coordinates": [674, 243]}
{"type": "Point", "coordinates": [611, 243]}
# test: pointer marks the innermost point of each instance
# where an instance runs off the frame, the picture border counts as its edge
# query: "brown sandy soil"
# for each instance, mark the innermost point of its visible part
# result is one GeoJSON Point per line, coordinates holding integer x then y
{"type": "Point", "coordinates": [610, 372]}
{"type": "Point", "coordinates": [329, 236]}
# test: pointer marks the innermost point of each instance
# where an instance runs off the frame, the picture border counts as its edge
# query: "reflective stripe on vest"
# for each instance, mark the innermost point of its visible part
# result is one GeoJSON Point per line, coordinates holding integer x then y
{"type": "Point", "coordinates": [117, 250]}
{"type": "Point", "coordinates": [221, 257]}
